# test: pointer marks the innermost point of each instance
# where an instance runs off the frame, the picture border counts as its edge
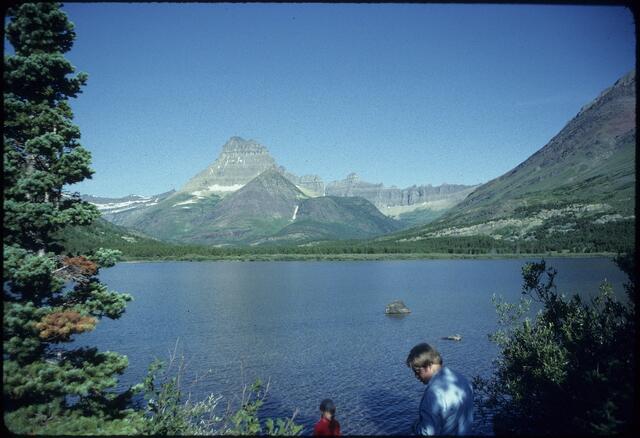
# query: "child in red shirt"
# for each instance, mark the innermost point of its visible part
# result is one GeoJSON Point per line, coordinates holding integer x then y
{"type": "Point", "coordinates": [328, 425]}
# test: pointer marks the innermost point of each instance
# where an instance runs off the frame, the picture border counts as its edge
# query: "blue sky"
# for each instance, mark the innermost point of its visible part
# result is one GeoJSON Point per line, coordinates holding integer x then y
{"type": "Point", "coordinates": [401, 94]}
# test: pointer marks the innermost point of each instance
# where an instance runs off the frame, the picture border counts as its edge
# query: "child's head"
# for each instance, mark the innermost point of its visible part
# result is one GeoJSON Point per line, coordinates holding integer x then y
{"type": "Point", "coordinates": [327, 408]}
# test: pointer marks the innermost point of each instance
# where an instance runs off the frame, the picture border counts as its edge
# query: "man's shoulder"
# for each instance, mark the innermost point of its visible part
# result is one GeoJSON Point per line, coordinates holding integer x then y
{"type": "Point", "coordinates": [455, 373]}
{"type": "Point", "coordinates": [448, 377]}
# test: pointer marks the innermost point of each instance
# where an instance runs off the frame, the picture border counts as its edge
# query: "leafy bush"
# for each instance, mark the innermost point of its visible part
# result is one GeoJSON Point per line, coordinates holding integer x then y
{"type": "Point", "coordinates": [168, 413]}
{"type": "Point", "coordinates": [568, 370]}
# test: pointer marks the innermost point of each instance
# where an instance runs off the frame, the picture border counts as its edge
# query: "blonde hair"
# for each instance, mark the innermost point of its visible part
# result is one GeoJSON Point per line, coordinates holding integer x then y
{"type": "Point", "coordinates": [423, 355]}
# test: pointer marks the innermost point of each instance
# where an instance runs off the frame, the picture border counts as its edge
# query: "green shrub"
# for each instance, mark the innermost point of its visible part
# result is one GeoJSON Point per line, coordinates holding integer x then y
{"type": "Point", "coordinates": [569, 369]}
{"type": "Point", "coordinates": [170, 411]}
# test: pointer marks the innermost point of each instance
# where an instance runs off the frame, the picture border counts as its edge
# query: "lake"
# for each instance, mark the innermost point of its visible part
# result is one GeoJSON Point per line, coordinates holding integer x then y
{"type": "Point", "coordinates": [318, 330]}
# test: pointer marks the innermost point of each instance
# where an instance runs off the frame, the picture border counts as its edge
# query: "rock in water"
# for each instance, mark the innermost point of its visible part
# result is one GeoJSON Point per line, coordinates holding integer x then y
{"type": "Point", "coordinates": [396, 308]}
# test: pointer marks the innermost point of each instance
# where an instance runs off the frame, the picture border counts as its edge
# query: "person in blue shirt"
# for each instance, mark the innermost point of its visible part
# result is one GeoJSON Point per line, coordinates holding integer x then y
{"type": "Point", "coordinates": [447, 404]}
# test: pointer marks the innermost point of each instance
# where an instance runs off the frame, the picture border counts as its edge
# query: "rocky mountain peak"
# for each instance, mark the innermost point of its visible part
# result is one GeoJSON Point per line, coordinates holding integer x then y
{"type": "Point", "coordinates": [352, 178]}
{"type": "Point", "coordinates": [623, 87]}
{"type": "Point", "coordinates": [269, 175]}
{"type": "Point", "coordinates": [238, 163]}
{"type": "Point", "coordinates": [596, 131]}
{"type": "Point", "coordinates": [268, 196]}
{"type": "Point", "coordinates": [626, 80]}
{"type": "Point", "coordinates": [238, 145]}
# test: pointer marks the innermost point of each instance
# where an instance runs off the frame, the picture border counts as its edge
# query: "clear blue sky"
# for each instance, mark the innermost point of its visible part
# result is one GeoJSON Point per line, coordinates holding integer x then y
{"type": "Point", "coordinates": [401, 94]}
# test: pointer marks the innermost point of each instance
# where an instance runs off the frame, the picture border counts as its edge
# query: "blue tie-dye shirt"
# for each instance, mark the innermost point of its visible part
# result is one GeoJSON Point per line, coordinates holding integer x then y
{"type": "Point", "coordinates": [447, 405]}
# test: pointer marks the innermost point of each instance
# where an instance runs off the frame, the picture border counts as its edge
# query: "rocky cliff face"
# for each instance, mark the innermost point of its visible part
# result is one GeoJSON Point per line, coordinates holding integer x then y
{"type": "Point", "coordinates": [383, 197]}
{"type": "Point", "coordinates": [310, 184]}
{"type": "Point", "coordinates": [239, 162]}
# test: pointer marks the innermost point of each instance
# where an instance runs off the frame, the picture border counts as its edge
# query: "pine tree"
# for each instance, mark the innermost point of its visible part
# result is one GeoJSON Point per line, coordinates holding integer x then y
{"type": "Point", "coordinates": [49, 297]}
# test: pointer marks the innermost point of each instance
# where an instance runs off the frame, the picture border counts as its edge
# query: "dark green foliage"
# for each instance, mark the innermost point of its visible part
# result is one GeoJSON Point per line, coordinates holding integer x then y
{"type": "Point", "coordinates": [570, 369]}
{"type": "Point", "coordinates": [48, 388]}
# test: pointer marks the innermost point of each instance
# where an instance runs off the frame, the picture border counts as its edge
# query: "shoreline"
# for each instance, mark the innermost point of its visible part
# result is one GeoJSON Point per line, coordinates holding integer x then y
{"type": "Point", "coordinates": [366, 257]}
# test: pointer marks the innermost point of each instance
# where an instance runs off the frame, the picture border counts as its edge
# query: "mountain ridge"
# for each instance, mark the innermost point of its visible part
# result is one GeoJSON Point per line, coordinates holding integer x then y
{"type": "Point", "coordinates": [582, 178]}
{"type": "Point", "coordinates": [242, 160]}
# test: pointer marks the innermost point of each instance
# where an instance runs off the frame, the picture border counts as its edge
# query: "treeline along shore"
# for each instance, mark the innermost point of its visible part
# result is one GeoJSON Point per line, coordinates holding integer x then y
{"type": "Point", "coordinates": [137, 247]}
{"type": "Point", "coordinates": [352, 257]}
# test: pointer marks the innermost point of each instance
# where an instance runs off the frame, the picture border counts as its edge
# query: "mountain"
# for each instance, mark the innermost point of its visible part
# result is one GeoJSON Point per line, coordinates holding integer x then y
{"type": "Point", "coordinates": [269, 195]}
{"type": "Point", "coordinates": [311, 185]}
{"type": "Point", "coordinates": [412, 205]}
{"type": "Point", "coordinates": [576, 193]}
{"type": "Point", "coordinates": [575, 188]}
{"type": "Point", "coordinates": [242, 160]}
{"type": "Point", "coordinates": [262, 207]}
{"type": "Point", "coordinates": [126, 203]}
{"type": "Point", "coordinates": [268, 209]}
{"type": "Point", "coordinates": [271, 209]}
{"type": "Point", "coordinates": [239, 162]}
{"type": "Point", "coordinates": [173, 215]}
{"type": "Point", "coordinates": [171, 219]}
{"type": "Point", "coordinates": [244, 196]}
{"type": "Point", "coordinates": [334, 218]}
{"type": "Point", "coordinates": [382, 196]}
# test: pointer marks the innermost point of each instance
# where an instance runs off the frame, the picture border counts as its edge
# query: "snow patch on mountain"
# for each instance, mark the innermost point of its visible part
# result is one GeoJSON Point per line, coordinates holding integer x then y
{"type": "Point", "coordinates": [220, 188]}
{"type": "Point", "coordinates": [116, 207]}
{"type": "Point", "coordinates": [216, 188]}
{"type": "Point", "coordinates": [188, 201]}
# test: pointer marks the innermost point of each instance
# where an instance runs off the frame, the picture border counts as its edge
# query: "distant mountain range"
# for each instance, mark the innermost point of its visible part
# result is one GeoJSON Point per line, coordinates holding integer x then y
{"type": "Point", "coordinates": [244, 197]}
{"type": "Point", "coordinates": [412, 205]}
{"type": "Point", "coordinates": [268, 209]}
{"type": "Point", "coordinates": [580, 184]}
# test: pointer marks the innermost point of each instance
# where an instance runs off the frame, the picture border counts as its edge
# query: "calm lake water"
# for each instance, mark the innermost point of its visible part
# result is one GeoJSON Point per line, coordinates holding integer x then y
{"type": "Point", "coordinates": [318, 329]}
